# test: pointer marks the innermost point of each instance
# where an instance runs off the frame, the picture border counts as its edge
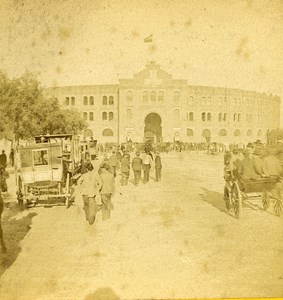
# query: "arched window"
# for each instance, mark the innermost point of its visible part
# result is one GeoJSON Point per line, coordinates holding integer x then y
{"type": "Point", "coordinates": [145, 96]}
{"type": "Point", "coordinates": [153, 96]}
{"type": "Point", "coordinates": [208, 101]}
{"type": "Point", "coordinates": [239, 117]}
{"type": "Point", "coordinates": [259, 133]}
{"type": "Point", "coordinates": [85, 115]}
{"type": "Point", "coordinates": [176, 96]}
{"type": "Point", "coordinates": [208, 116]}
{"type": "Point", "coordinates": [85, 100]}
{"type": "Point", "coordinates": [91, 100]}
{"type": "Point", "coordinates": [237, 132]}
{"type": "Point", "coordinates": [222, 132]}
{"type": "Point", "coordinates": [91, 116]}
{"type": "Point", "coordinates": [67, 101]}
{"type": "Point", "coordinates": [107, 132]}
{"type": "Point", "coordinates": [160, 96]}
{"type": "Point", "coordinates": [191, 100]}
{"type": "Point", "coordinates": [235, 117]}
{"type": "Point", "coordinates": [110, 116]}
{"type": "Point", "coordinates": [249, 132]}
{"type": "Point", "coordinates": [129, 96]}
{"type": "Point", "coordinates": [176, 114]}
{"type": "Point", "coordinates": [220, 101]}
{"type": "Point", "coordinates": [203, 116]}
{"type": "Point", "coordinates": [248, 118]}
{"type": "Point", "coordinates": [129, 114]}
{"type": "Point", "coordinates": [251, 118]}
{"type": "Point", "coordinates": [191, 116]}
{"type": "Point", "coordinates": [190, 132]}
{"type": "Point", "coordinates": [104, 100]}
{"type": "Point", "coordinates": [111, 100]}
{"type": "Point", "coordinates": [220, 117]}
{"type": "Point", "coordinates": [225, 117]}
{"type": "Point", "coordinates": [104, 115]}
{"type": "Point", "coordinates": [73, 100]}
{"type": "Point", "coordinates": [203, 101]}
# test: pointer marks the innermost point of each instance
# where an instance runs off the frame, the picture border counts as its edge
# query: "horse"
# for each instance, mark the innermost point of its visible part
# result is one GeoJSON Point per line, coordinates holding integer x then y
{"type": "Point", "coordinates": [3, 246]}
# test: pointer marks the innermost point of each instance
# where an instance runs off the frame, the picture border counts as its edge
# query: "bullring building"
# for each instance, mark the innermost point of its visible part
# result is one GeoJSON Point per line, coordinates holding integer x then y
{"type": "Point", "coordinates": [153, 105]}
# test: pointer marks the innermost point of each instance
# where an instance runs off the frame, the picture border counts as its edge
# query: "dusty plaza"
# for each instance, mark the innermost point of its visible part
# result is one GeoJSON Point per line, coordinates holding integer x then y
{"type": "Point", "coordinates": [168, 239]}
{"type": "Point", "coordinates": [141, 149]}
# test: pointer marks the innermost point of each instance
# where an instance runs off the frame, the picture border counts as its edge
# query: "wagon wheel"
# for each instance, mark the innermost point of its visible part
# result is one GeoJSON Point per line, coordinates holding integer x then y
{"type": "Point", "coordinates": [236, 199]}
{"type": "Point", "coordinates": [227, 198]}
{"type": "Point", "coordinates": [278, 207]}
{"type": "Point", "coordinates": [67, 190]}
{"type": "Point", "coordinates": [20, 196]}
{"type": "Point", "coordinates": [265, 200]}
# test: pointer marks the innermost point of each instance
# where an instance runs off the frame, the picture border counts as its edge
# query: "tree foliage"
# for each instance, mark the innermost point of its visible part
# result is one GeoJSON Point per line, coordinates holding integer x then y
{"type": "Point", "coordinates": [26, 111]}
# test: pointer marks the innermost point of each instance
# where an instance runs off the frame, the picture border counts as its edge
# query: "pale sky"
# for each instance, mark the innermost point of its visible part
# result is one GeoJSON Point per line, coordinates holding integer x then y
{"type": "Point", "coordinates": [237, 44]}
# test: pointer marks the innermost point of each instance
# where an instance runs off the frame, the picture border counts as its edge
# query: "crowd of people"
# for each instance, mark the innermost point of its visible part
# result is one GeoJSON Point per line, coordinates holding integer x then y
{"type": "Point", "coordinates": [102, 181]}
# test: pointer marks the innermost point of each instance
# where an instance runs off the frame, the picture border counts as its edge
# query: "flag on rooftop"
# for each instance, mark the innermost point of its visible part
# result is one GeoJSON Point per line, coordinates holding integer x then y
{"type": "Point", "coordinates": [148, 39]}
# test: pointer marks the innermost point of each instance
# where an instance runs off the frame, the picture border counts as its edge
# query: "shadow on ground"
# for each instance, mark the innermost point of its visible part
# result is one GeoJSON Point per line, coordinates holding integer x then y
{"type": "Point", "coordinates": [102, 294]}
{"type": "Point", "coordinates": [214, 198]}
{"type": "Point", "coordinates": [14, 231]}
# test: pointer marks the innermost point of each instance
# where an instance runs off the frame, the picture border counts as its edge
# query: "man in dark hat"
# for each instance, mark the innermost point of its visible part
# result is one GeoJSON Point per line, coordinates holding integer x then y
{"type": "Point", "coordinates": [158, 166]}
{"type": "Point", "coordinates": [137, 167]}
{"type": "Point", "coordinates": [247, 168]}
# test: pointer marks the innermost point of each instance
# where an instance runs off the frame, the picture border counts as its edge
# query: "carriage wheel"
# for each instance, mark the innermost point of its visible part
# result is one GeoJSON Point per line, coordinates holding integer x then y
{"type": "Point", "coordinates": [67, 190]}
{"type": "Point", "coordinates": [265, 200]}
{"type": "Point", "coordinates": [236, 199]}
{"type": "Point", "coordinates": [278, 207]}
{"type": "Point", "coordinates": [227, 198]}
{"type": "Point", "coordinates": [20, 194]}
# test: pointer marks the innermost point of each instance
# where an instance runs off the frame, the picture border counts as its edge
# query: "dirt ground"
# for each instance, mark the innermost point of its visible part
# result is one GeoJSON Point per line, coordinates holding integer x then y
{"type": "Point", "coordinates": [171, 239]}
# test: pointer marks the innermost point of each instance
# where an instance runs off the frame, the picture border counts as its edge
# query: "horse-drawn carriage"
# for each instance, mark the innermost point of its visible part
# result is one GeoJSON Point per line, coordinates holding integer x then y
{"type": "Point", "coordinates": [44, 170]}
{"type": "Point", "coordinates": [268, 190]}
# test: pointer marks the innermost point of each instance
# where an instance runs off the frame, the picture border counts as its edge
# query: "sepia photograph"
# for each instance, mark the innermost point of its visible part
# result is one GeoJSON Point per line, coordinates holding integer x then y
{"type": "Point", "coordinates": [141, 149]}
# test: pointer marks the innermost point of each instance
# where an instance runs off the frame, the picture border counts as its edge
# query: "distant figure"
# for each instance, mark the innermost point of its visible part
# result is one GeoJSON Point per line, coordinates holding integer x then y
{"type": "Point", "coordinates": [147, 162]}
{"type": "Point", "coordinates": [137, 168]}
{"type": "Point", "coordinates": [3, 159]}
{"type": "Point", "coordinates": [113, 162]}
{"type": "Point", "coordinates": [158, 167]}
{"type": "Point", "coordinates": [90, 184]}
{"type": "Point", "coordinates": [125, 169]}
{"type": "Point", "coordinates": [12, 157]}
{"type": "Point", "coordinates": [108, 189]}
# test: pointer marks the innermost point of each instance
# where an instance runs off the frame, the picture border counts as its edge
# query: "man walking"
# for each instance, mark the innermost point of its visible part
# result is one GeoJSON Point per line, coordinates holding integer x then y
{"type": "Point", "coordinates": [3, 159]}
{"type": "Point", "coordinates": [158, 167]}
{"type": "Point", "coordinates": [90, 186]}
{"type": "Point", "coordinates": [113, 162]}
{"type": "Point", "coordinates": [108, 188]}
{"type": "Point", "coordinates": [137, 167]}
{"type": "Point", "coordinates": [147, 162]}
{"type": "Point", "coordinates": [125, 169]}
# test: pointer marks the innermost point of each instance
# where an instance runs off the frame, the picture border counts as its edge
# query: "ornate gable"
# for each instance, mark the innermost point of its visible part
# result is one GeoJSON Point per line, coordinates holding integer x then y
{"type": "Point", "coordinates": [152, 75]}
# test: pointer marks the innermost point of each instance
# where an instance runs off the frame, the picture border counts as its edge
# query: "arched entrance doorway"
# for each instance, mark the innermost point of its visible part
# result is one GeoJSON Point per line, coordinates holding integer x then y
{"type": "Point", "coordinates": [206, 134]}
{"type": "Point", "coordinates": [152, 128]}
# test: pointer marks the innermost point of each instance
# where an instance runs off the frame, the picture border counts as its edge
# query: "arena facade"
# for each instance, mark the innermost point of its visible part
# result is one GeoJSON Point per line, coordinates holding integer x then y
{"type": "Point", "coordinates": [153, 105]}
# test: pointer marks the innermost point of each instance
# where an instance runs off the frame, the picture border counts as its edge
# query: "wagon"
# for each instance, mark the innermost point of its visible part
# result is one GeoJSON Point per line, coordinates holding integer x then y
{"type": "Point", "coordinates": [268, 190]}
{"type": "Point", "coordinates": [44, 170]}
